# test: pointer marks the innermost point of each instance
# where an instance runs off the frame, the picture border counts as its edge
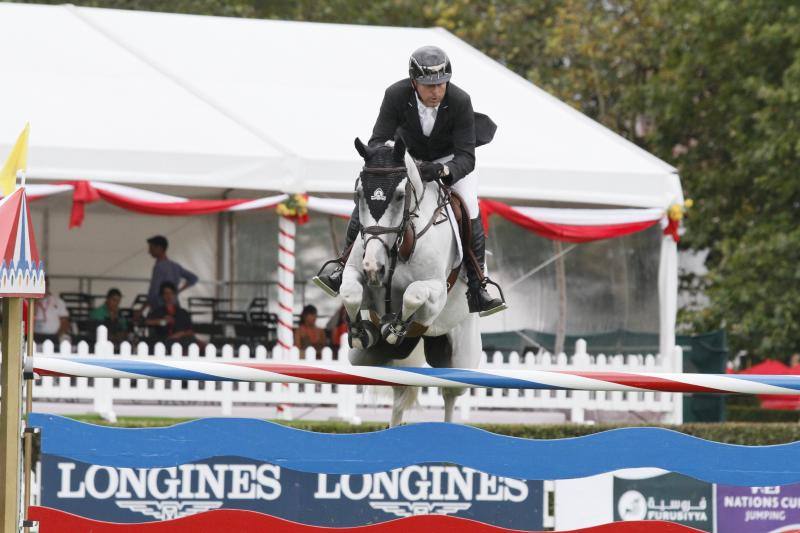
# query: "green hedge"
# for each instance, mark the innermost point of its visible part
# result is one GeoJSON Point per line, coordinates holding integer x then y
{"type": "Point", "coordinates": [746, 413]}
{"type": "Point", "coordinates": [746, 433]}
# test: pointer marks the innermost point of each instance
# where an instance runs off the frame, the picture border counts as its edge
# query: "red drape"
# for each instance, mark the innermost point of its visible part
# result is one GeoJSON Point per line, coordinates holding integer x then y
{"type": "Point", "coordinates": [560, 232]}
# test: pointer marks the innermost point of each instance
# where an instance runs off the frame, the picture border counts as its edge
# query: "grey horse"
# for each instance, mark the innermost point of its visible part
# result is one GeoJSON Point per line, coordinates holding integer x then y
{"type": "Point", "coordinates": [385, 328]}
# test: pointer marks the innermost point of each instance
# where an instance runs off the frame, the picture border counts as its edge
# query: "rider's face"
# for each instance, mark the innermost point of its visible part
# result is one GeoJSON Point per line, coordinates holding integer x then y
{"type": "Point", "coordinates": [431, 95]}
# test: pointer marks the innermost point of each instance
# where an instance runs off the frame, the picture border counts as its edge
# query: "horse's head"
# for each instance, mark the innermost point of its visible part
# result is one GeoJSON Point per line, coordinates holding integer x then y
{"type": "Point", "coordinates": [386, 194]}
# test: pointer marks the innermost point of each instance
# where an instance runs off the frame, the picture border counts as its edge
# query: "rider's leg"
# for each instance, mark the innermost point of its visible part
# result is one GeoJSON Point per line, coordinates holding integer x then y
{"type": "Point", "coordinates": [330, 283]}
{"type": "Point", "coordinates": [479, 300]}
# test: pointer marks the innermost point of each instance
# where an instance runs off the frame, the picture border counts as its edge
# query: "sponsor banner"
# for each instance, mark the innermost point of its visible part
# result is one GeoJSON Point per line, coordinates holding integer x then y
{"type": "Point", "coordinates": [758, 509]}
{"type": "Point", "coordinates": [121, 494]}
{"type": "Point", "coordinates": [670, 497]}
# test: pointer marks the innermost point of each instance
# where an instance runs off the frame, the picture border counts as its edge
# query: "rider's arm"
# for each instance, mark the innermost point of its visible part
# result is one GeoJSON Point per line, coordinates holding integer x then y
{"type": "Point", "coordinates": [463, 161]}
{"type": "Point", "coordinates": [387, 122]}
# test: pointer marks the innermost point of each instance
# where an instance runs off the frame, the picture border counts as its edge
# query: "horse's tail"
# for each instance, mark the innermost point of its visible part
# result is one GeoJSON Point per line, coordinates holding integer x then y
{"type": "Point", "coordinates": [403, 398]}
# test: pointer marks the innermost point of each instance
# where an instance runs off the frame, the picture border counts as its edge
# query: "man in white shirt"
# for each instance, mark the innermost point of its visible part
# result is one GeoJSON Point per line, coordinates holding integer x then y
{"type": "Point", "coordinates": [52, 316]}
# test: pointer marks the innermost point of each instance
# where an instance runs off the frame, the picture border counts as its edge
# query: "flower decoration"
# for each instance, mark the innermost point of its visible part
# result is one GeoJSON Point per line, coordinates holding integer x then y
{"type": "Point", "coordinates": [295, 207]}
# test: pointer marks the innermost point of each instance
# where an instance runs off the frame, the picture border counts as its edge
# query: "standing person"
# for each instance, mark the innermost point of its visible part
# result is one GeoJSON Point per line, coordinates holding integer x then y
{"type": "Point", "coordinates": [51, 316]}
{"type": "Point", "coordinates": [307, 333]}
{"type": "Point", "coordinates": [165, 270]}
{"type": "Point", "coordinates": [434, 117]}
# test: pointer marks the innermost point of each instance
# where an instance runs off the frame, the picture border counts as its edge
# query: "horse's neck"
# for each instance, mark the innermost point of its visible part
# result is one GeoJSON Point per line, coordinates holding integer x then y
{"type": "Point", "coordinates": [429, 197]}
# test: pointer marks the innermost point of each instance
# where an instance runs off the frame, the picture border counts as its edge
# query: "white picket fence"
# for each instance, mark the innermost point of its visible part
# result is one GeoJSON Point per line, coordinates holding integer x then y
{"type": "Point", "coordinates": [348, 399]}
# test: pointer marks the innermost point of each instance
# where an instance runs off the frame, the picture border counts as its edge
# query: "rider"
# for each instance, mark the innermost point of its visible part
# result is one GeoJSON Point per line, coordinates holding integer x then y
{"type": "Point", "coordinates": [435, 119]}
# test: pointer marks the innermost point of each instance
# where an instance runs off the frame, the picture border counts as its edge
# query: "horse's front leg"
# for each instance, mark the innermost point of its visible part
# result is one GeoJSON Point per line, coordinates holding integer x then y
{"type": "Point", "coordinates": [362, 333]}
{"type": "Point", "coordinates": [422, 301]}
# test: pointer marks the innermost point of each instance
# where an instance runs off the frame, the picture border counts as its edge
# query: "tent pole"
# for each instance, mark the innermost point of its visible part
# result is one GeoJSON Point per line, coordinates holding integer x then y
{"type": "Point", "coordinates": [668, 310]}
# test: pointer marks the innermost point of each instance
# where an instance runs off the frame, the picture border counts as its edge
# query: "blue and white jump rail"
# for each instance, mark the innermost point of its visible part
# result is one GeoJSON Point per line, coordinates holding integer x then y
{"type": "Point", "coordinates": [243, 371]}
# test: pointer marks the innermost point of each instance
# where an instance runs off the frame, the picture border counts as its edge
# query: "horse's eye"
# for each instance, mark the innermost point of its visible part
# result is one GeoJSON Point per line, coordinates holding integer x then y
{"type": "Point", "coordinates": [399, 195]}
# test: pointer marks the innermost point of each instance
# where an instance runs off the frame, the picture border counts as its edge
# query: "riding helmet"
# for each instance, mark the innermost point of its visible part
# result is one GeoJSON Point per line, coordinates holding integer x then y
{"type": "Point", "coordinates": [429, 65]}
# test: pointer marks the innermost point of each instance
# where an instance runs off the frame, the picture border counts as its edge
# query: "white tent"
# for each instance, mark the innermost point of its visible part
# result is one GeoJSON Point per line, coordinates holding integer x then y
{"type": "Point", "coordinates": [190, 101]}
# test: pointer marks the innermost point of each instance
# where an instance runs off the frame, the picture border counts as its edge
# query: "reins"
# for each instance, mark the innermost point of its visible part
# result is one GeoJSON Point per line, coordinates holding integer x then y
{"type": "Point", "coordinates": [374, 232]}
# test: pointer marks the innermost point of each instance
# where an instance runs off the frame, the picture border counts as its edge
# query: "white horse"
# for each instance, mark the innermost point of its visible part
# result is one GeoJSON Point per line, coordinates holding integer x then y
{"type": "Point", "coordinates": [399, 213]}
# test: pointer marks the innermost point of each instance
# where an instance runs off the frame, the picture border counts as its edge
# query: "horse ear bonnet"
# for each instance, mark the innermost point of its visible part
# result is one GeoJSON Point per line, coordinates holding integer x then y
{"type": "Point", "coordinates": [378, 192]}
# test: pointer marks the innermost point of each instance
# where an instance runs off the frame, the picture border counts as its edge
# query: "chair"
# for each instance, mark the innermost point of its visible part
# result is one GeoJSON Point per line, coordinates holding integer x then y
{"type": "Point", "coordinates": [139, 302]}
{"type": "Point", "coordinates": [202, 306]}
{"type": "Point", "coordinates": [261, 329]}
{"type": "Point", "coordinates": [227, 322]}
{"type": "Point", "coordinates": [258, 304]}
{"type": "Point", "coordinates": [77, 300]}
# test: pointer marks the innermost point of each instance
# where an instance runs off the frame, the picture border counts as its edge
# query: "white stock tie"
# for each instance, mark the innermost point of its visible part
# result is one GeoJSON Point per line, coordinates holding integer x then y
{"type": "Point", "coordinates": [428, 119]}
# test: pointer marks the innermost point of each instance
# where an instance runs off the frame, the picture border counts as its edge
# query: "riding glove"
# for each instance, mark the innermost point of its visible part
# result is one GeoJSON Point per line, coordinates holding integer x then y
{"type": "Point", "coordinates": [432, 171]}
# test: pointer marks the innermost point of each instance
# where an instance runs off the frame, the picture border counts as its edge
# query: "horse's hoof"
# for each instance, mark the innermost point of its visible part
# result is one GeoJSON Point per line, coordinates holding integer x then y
{"type": "Point", "coordinates": [393, 333]}
{"type": "Point", "coordinates": [363, 335]}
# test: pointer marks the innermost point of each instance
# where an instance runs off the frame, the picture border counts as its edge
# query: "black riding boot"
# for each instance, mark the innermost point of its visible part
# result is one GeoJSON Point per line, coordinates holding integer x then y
{"type": "Point", "coordinates": [330, 283]}
{"type": "Point", "coordinates": [479, 300]}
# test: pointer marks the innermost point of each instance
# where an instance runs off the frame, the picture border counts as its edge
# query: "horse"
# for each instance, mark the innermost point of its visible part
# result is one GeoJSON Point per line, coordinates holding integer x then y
{"type": "Point", "coordinates": [395, 282]}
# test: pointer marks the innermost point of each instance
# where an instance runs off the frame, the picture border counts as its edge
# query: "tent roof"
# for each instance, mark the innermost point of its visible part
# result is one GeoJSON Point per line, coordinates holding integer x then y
{"type": "Point", "coordinates": [152, 98]}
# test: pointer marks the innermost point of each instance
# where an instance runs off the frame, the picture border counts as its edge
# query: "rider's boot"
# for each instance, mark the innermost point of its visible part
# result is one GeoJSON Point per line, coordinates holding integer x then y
{"type": "Point", "coordinates": [479, 300]}
{"type": "Point", "coordinates": [331, 282]}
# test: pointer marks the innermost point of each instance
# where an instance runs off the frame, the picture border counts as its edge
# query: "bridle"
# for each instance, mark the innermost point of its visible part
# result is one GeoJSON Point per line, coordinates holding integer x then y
{"type": "Point", "coordinates": [369, 233]}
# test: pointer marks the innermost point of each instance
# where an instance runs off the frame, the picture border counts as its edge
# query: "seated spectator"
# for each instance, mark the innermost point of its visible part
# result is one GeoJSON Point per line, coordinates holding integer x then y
{"type": "Point", "coordinates": [108, 315]}
{"type": "Point", "coordinates": [170, 322]}
{"type": "Point", "coordinates": [336, 327]}
{"type": "Point", "coordinates": [51, 318]}
{"type": "Point", "coordinates": [307, 333]}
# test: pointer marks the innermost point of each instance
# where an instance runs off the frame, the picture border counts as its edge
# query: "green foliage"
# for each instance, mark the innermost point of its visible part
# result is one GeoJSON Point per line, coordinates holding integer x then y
{"type": "Point", "coordinates": [731, 433]}
{"type": "Point", "coordinates": [756, 414]}
{"type": "Point", "coordinates": [711, 86]}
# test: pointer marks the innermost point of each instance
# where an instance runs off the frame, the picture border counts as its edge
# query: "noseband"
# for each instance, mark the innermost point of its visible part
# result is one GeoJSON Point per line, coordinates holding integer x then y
{"type": "Point", "coordinates": [369, 233]}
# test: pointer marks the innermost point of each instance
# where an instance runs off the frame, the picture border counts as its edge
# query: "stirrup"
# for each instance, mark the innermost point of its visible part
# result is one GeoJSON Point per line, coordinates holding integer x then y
{"type": "Point", "coordinates": [321, 284]}
{"type": "Point", "coordinates": [502, 307]}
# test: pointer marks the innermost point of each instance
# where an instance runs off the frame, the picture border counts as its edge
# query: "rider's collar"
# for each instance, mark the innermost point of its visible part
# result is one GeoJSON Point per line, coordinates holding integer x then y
{"type": "Point", "coordinates": [421, 107]}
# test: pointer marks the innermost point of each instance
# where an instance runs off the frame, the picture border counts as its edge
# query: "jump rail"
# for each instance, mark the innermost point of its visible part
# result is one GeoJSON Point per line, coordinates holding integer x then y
{"type": "Point", "coordinates": [421, 377]}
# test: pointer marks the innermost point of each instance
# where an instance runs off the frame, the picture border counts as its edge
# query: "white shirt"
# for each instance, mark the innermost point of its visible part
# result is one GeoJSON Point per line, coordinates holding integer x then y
{"type": "Point", "coordinates": [49, 312]}
{"type": "Point", "coordinates": [427, 117]}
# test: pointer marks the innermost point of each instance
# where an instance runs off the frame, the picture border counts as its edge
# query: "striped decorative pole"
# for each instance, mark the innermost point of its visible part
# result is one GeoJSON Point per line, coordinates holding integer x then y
{"type": "Point", "coordinates": [286, 264]}
{"type": "Point", "coordinates": [140, 368]}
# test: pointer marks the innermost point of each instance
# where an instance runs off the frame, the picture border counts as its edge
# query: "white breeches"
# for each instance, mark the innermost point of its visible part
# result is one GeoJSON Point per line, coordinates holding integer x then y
{"type": "Point", "coordinates": [467, 188]}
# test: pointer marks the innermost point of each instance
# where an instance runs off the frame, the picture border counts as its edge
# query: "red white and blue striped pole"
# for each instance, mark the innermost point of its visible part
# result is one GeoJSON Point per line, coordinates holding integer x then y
{"type": "Point", "coordinates": [138, 368]}
{"type": "Point", "coordinates": [286, 266]}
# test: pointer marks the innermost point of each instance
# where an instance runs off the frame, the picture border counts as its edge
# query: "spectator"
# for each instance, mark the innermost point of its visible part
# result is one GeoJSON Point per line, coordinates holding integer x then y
{"type": "Point", "coordinates": [307, 333]}
{"type": "Point", "coordinates": [794, 361]}
{"type": "Point", "coordinates": [108, 315]}
{"type": "Point", "coordinates": [51, 316]}
{"type": "Point", "coordinates": [169, 321]}
{"type": "Point", "coordinates": [337, 326]}
{"type": "Point", "coordinates": [165, 270]}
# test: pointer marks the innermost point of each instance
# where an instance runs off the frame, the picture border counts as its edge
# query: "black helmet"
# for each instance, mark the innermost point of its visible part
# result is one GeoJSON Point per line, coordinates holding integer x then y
{"type": "Point", "coordinates": [429, 65]}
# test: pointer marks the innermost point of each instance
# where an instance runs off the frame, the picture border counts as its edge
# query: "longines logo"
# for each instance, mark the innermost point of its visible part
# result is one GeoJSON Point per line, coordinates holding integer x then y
{"type": "Point", "coordinates": [378, 195]}
{"type": "Point", "coordinates": [168, 510]}
{"type": "Point", "coordinates": [185, 490]}
{"type": "Point", "coordinates": [403, 509]}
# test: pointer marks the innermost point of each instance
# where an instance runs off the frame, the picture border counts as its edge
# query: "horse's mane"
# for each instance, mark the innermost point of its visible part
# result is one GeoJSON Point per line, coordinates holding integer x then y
{"type": "Point", "coordinates": [413, 172]}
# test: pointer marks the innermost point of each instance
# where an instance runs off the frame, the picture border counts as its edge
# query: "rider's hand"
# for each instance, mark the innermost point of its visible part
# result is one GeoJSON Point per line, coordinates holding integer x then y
{"type": "Point", "coordinates": [430, 171]}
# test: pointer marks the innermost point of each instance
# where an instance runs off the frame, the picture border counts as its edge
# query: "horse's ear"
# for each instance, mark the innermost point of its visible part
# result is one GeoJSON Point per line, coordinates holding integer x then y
{"type": "Point", "coordinates": [399, 149]}
{"type": "Point", "coordinates": [360, 148]}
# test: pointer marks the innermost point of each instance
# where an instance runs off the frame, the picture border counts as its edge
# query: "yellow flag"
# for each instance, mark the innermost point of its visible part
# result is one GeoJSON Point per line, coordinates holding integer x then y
{"type": "Point", "coordinates": [17, 160]}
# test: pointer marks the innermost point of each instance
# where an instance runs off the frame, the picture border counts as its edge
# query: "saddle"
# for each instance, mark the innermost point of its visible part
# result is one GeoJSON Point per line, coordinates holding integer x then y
{"type": "Point", "coordinates": [464, 234]}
